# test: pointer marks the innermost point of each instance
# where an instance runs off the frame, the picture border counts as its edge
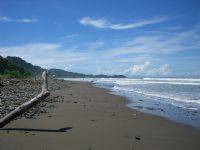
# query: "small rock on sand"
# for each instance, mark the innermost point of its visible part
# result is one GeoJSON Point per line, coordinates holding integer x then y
{"type": "Point", "coordinates": [137, 137]}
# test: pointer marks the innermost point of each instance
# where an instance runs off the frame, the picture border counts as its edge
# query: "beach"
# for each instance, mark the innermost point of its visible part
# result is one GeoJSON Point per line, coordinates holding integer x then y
{"type": "Point", "coordinates": [94, 119]}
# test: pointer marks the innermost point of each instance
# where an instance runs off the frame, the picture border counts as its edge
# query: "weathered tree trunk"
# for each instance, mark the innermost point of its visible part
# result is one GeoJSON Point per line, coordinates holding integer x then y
{"type": "Point", "coordinates": [27, 105]}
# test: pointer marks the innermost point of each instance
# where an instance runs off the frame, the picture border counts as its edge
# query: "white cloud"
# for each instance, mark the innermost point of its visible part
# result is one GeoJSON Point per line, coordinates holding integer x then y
{"type": "Point", "coordinates": [165, 69]}
{"type": "Point", "coordinates": [103, 23]}
{"type": "Point", "coordinates": [26, 20]}
{"type": "Point", "coordinates": [22, 20]}
{"type": "Point", "coordinates": [98, 23]}
{"type": "Point", "coordinates": [4, 19]}
{"type": "Point", "coordinates": [68, 68]}
{"type": "Point", "coordinates": [140, 68]}
{"type": "Point", "coordinates": [148, 69]}
{"type": "Point", "coordinates": [145, 69]}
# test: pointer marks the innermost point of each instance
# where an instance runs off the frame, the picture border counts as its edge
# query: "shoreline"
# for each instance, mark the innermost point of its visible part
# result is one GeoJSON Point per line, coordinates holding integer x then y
{"type": "Point", "coordinates": [178, 111]}
{"type": "Point", "coordinates": [128, 101]}
{"type": "Point", "coordinates": [99, 120]}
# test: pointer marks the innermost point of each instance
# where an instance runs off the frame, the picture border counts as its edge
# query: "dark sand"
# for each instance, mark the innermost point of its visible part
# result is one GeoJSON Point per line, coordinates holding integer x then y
{"type": "Point", "coordinates": [99, 121]}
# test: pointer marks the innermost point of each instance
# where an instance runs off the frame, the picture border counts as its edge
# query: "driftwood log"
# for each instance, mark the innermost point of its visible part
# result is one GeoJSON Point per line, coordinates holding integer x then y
{"type": "Point", "coordinates": [27, 105]}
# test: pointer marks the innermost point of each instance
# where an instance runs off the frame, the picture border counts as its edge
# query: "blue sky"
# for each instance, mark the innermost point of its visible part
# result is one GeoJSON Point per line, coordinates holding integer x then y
{"type": "Point", "coordinates": [131, 37]}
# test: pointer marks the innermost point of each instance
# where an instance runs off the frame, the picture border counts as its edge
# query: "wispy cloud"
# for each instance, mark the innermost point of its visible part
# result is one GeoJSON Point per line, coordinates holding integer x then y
{"type": "Point", "coordinates": [4, 19]}
{"type": "Point", "coordinates": [159, 43]}
{"type": "Point", "coordinates": [103, 23]}
{"type": "Point", "coordinates": [47, 55]}
{"type": "Point", "coordinates": [139, 24]}
{"type": "Point", "coordinates": [26, 20]}
{"type": "Point", "coordinates": [22, 20]}
{"type": "Point", "coordinates": [136, 55]}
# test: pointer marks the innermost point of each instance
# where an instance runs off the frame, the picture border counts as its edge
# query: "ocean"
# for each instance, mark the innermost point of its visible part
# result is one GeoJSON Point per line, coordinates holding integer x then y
{"type": "Point", "coordinates": [177, 99]}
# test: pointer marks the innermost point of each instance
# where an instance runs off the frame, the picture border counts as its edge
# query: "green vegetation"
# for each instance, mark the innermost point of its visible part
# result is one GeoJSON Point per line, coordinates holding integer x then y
{"type": "Point", "coordinates": [11, 70]}
{"type": "Point", "coordinates": [35, 70]}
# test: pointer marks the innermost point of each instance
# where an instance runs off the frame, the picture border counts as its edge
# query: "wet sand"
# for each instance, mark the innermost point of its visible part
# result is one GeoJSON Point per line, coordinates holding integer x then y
{"type": "Point", "coordinates": [96, 120]}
